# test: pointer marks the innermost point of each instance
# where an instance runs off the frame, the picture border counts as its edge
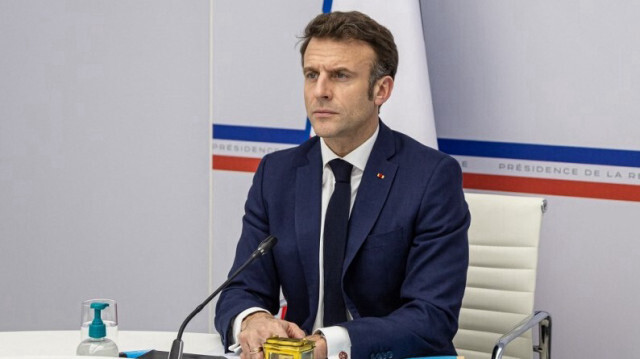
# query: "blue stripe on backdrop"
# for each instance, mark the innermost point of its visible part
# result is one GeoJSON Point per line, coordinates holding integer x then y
{"type": "Point", "coordinates": [261, 134]}
{"type": "Point", "coordinates": [326, 6]}
{"type": "Point", "coordinates": [595, 156]}
{"type": "Point", "coordinates": [585, 155]}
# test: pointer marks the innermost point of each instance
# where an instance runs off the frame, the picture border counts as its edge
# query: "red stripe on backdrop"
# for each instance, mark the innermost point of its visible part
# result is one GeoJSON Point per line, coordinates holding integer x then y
{"type": "Point", "coordinates": [623, 192]}
{"type": "Point", "coordinates": [584, 189]}
{"type": "Point", "coordinates": [231, 163]}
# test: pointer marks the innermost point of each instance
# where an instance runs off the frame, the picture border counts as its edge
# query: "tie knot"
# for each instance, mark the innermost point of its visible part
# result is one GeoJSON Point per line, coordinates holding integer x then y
{"type": "Point", "coordinates": [341, 170]}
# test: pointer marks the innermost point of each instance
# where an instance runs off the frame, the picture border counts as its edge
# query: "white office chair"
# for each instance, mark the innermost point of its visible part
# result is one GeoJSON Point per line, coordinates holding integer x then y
{"type": "Point", "coordinates": [503, 256]}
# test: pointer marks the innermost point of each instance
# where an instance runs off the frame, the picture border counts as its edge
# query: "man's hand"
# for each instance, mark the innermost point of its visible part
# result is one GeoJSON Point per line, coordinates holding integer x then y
{"type": "Point", "coordinates": [258, 327]}
{"type": "Point", "coordinates": [320, 351]}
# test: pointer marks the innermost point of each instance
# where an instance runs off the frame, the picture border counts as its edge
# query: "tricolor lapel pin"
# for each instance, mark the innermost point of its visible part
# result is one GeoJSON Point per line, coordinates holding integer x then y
{"type": "Point", "coordinates": [380, 175]}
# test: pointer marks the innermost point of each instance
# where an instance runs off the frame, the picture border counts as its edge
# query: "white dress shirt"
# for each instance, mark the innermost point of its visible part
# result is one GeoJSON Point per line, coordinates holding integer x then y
{"type": "Point", "coordinates": [337, 337]}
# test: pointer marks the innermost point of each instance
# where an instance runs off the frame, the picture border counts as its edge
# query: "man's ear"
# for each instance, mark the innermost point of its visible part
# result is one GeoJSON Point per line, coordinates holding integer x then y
{"type": "Point", "coordinates": [382, 90]}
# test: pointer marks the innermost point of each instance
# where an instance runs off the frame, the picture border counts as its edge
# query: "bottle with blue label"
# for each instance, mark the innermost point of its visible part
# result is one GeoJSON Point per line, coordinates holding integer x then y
{"type": "Point", "coordinates": [98, 344]}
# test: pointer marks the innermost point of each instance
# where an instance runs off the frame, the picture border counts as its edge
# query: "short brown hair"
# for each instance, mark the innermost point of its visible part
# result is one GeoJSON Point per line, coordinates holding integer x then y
{"type": "Point", "coordinates": [355, 25]}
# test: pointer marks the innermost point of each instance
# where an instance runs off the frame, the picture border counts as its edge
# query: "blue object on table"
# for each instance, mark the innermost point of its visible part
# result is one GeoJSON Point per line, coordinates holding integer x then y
{"type": "Point", "coordinates": [134, 353]}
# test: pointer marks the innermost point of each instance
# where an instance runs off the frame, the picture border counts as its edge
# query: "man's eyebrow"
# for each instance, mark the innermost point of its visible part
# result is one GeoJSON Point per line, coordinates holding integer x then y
{"type": "Point", "coordinates": [309, 68]}
{"type": "Point", "coordinates": [332, 70]}
{"type": "Point", "coordinates": [341, 69]}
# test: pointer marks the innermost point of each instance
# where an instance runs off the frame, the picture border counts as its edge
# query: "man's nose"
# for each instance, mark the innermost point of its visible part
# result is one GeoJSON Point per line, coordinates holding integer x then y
{"type": "Point", "coordinates": [323, 87]}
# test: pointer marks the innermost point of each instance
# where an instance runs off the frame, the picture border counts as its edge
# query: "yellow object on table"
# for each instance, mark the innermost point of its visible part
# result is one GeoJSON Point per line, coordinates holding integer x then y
{"type": "Point", "coordinates": [288, 348]}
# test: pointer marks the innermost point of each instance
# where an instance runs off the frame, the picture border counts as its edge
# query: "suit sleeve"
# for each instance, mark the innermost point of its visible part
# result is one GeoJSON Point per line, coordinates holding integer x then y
{"type": "Point", "coordinates": [257, 285]}
{"type": "Point", "coordinates": [435, 278]}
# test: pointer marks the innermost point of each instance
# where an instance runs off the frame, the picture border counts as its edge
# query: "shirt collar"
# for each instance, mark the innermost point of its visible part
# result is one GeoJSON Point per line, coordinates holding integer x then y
{"type": "Point", "coordinates": [358, 157]}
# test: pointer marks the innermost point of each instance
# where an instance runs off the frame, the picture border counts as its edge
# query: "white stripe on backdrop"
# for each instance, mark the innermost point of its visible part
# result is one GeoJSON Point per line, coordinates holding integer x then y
{"type": "Point", "coordinates": [409, 110]}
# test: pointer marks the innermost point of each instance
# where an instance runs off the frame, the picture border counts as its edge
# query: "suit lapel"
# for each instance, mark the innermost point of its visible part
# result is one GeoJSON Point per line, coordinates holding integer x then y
{"type": "Point", "coordinates": [373, 191]}
{"type": "Point", "coordinates": [308, 199]}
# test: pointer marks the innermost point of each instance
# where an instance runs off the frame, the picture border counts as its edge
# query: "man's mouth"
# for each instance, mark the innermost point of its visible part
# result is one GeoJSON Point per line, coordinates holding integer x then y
{"type": "Point", "coordinates": [324, 112]}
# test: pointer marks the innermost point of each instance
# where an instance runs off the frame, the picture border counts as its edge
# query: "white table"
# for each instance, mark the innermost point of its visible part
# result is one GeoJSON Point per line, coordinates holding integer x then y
{"type": "Point", "coordinates": [63, 343]}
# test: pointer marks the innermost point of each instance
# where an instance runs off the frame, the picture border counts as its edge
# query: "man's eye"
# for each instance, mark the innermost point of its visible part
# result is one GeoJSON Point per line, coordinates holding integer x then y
{"type": "Point", "coordinates": [341, 75]}
{"type": "Point", "coordinates": [311, 75]}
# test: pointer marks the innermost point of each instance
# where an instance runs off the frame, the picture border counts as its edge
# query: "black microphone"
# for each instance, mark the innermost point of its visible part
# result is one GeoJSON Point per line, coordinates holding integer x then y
{"type": "Point", "coordinates": [264, 247]}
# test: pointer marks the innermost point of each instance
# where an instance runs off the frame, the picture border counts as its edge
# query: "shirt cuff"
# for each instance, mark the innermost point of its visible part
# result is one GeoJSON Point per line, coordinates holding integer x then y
{"type": "Point", "coordinates": [237, 324]}
{"type": "Point", "coordinates": [338, 342]}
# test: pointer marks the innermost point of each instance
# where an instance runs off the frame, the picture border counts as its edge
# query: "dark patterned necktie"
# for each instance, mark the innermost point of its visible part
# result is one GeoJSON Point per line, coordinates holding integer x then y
{"type": "Point", "coordinates": [336, 224]}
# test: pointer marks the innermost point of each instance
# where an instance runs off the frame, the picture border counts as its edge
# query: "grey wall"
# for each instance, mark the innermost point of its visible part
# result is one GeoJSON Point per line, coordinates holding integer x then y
{"type": "Point", "coordinates": [104, 161]}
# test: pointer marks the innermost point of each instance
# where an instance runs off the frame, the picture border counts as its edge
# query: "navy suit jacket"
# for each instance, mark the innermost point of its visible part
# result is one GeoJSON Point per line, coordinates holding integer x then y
{"type": "Point", "coordinates": [406, 258]}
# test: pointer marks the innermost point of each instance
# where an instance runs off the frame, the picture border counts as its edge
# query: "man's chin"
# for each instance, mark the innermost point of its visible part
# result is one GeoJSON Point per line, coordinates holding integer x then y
{"type": "Point", "coordinates": [323, 131]}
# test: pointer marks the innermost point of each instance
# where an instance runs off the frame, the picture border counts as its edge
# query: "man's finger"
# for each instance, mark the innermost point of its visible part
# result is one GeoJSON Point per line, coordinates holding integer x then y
{"type": "Point", "coordinates": [252, 350]}
{"type": "Point", "coordinates": [251, 344]}
{"type": "Point", "coordinates": [256, 353]}
{"type": "Point", "coordinates": [245, 350]}
{"type": "Point", "coordinates": [294, 331]}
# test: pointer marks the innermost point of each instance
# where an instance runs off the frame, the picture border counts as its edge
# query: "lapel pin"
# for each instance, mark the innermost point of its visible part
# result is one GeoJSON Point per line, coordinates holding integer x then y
{"type": "Point", "coordinates": [380, 175]}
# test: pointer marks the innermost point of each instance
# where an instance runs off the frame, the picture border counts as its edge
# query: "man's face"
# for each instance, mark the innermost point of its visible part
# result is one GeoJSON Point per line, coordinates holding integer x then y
{"type": "Point", "coordinates": [336, 84]}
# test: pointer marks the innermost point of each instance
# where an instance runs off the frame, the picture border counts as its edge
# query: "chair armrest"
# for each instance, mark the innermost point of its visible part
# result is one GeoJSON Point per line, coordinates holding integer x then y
{"type": "Point", "coordinates": [543, 321]}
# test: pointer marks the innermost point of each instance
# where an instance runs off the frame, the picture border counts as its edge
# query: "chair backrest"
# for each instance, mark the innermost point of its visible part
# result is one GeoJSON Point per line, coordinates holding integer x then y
{"type": "Point", "coordinates": [501, 281]}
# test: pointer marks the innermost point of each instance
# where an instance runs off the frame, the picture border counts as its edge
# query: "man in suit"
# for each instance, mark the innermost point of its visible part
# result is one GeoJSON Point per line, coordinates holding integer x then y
{"type": "Point", "coordinates": [392, 286]}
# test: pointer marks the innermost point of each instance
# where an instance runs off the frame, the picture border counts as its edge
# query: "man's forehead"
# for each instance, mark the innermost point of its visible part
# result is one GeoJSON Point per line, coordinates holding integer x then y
{"type": "Point", "coordinates": [337, 53]}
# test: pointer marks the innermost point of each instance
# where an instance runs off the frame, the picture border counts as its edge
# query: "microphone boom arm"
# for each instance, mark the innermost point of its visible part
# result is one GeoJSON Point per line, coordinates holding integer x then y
{"type": "Point", "coordinates": [264, 247]}
{"type": "Point", "coordinates": [213, 295]}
